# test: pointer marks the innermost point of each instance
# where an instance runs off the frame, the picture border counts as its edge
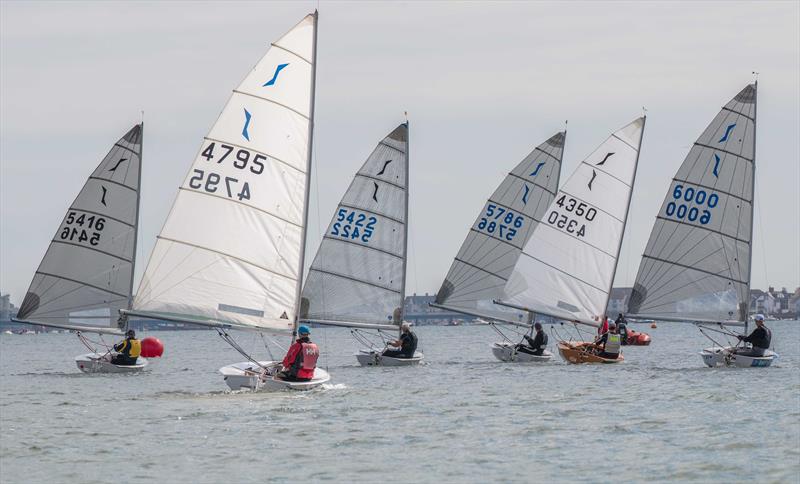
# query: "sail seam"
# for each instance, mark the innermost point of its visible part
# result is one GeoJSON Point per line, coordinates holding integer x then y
{"type": "Point", "coordinates": [207, 138]}
{"type": "Point", "coordinates": [532, 183]}
{"type": "Point", "coordinates": [592, 206]}
{"type": "Point", "coordinates": [112, 182]}
{"type": "Point", "coordinates": [128, 149]}
{"type": "Point", "coordinates": [102, 215]}
{"type": "Point", "coordinates": [594, 167]}
{"type": "Point", "coordinates": [336, 274]}
{"type": "Point", "coordinates": [401, 187]}
{"type": "Point", "coordinates": [692, 268]}
{"type": "Point", "coordinates": [566, 273]}
{"type": "Point", "coordinates": [739, 113]}
{"type": "Point", "coordinates": [347, 241]}
{"type": "Point", "coordinates": [723, 150]}
{"type": "Point", "coordinates": [240, 203]}
{"type": "Point", "coordinates": [473, 229]}
{"type": "Point", "coordinates": [389, 217]}
{"type": "Point", "coordinates": [292, 52]}
{"type": "Point", "coordinates": [633, 147]}
{"type": "Point", "coordinates": [59, 241]}
{"type": "Point", "coordinates": [704, 228]}
{"type": "Point", "coordinates": [273, 102]}
{"type": "Point", "coordinates": [82, 283]}
{"type": "Point", "coordinates": [549, 154]}
{"type": "Point", "coordinates": [481, 269]}
{"type": "Point", "coordinates": [714, 189]}
{"type": "Point", "coordinates": [384, 143]}
{"type": "Point", "coordinates": [580, 240]}
{"type": "Point", "coordinates": [291, 278]}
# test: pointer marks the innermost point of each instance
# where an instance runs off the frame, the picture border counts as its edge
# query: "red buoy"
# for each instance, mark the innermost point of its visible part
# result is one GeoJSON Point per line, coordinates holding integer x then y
{"type": "Point", "coordinates": [152, 347]}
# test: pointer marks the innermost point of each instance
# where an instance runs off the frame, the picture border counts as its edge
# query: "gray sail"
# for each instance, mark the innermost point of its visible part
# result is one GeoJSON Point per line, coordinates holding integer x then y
{"type": "Point", "coordinates": [696, 265]}
{"type": "Point", "coordinates": [496, 238]}
{"type": "Point", "coordinates": [86, 275]}
{"type": "Point", "coordinates": [358, 274]}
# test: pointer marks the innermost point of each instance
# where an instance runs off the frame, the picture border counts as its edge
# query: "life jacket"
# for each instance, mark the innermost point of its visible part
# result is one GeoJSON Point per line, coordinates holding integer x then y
{"type": "Point", "coordinates": [411, 347]}
{"type": "Point", "coordinates": [309, 354]}
{"type": "Point", "coordinates": [613, 343]}
{"type": "Point", "coordinates": [131, 348]}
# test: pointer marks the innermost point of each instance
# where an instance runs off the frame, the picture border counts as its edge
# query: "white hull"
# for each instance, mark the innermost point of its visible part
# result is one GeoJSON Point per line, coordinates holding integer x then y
{"type": "Point", "coordinates": [375, 358]}
{"type": "Point", "coordinates": [716, 356]}
{"type": "Point", "coordinates": [505, 351]}
{"type": "Point", "coordinates": [246, 376]}
{"type": "Point", "coordinates": [97, 363]}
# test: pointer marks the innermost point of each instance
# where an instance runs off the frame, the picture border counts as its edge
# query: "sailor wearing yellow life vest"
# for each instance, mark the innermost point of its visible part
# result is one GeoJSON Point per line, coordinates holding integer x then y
{"type": "Point", "coordinates": [128, 350]}
{"type": "Point", "coordinates": [611, 342]}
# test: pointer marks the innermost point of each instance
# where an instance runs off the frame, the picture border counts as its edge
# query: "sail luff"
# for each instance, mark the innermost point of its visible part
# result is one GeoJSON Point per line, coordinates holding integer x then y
{"type": "Point", "coordinates": [136, 224]}
{"type": "Point", "coordinates": [744, 312]}
{"type": "Point", "coordinates": [304, 228]}
{"type": "Point", "coordinates": [627, 210]}
{"type": "Point", "coordinates": [405, 226]}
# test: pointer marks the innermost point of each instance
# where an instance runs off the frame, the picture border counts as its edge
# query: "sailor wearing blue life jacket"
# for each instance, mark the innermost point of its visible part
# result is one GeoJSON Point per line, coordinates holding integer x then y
{"type": "Point", "coordinates": [760, 338]}
{"type": "Point", "coordinates": [301, 359]}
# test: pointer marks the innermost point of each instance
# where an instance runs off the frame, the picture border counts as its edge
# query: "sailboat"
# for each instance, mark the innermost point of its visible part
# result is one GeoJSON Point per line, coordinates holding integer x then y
{"type": "Point", "coordinates": [567, 267]}
{"type": "Point", "coordinates": [697, 263]}
{"type": "Point", "coordinates": [495, 241]}
{"type": "Point", "coordinates": [86, 275]}
{"type": "Point", "coordinates": [230, 254]}
{"type": "Point", "coordinates": [358, 277]}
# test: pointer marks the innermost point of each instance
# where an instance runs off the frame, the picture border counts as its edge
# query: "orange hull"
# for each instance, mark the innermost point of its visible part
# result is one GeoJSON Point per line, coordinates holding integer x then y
{"type": "Point", "coordinates": [578, 353]}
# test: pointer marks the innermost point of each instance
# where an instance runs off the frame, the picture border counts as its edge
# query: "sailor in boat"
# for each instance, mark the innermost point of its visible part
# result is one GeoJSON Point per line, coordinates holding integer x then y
{"type": "Point", "coordinates": [301, 359]}
{"type": "Point", "coordinates": [407, 344]}
{"type": "Point", "coordinates": [603, 329]}
{"type": "Point", "coordinates": [609, 344]}
{"type": "Point", "coordinates": [760, 338]}
{"type": "Point", "coordinates": [537, 344]}
{"type": "Point", "coordinates": [128, 350]}
{"type": "Point", "coordinates": [622, 328]}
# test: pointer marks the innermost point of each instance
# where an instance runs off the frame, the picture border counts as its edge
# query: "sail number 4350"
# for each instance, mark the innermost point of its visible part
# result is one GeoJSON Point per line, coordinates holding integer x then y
{"type": "Point", "coordinates": [572, 225]}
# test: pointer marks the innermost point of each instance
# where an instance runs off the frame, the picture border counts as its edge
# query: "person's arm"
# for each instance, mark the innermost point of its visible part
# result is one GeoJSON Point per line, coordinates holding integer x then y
{"type": "Point", "coordinates": [291, 355]}
{"type": "Point", "coordinates": [531, 341]}
{"type": "Point", "coordinates": [119, 347]}
{"type": "Point", "coordinates": [750, 337]}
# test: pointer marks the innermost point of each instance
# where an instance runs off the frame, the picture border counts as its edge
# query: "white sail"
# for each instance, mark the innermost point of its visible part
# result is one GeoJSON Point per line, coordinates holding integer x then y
{"type": "Point", "coordinates": [696, 265]}
{"type": "Point", "coordinates": [86, 275]}
{"type": "Point", "coordinates": [358, 274]}
{"type": "Point", "coordinates": [567, 267]}
{"type": "Point", "coordinates": [231, 248]}
{"type": "Point", "coordinates": [495, 240]}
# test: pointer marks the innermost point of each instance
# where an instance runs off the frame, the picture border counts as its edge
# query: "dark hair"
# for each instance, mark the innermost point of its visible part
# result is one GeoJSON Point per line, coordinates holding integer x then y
{"type": "Point", "coordinates": [537, 325]}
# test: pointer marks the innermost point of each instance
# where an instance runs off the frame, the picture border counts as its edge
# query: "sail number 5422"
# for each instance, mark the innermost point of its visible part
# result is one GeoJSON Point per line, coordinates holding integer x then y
{"type": "Point", "coordinates": [353, 225]}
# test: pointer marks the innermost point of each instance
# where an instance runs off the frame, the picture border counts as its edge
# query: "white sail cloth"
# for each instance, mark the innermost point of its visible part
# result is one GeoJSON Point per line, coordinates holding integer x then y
{"type": "Point", "coordinates": [495, 240]}
{"type": "Point", "coordinates": [567, 267]}
{"type": "Point", "coordinates": [230, 249]}
{"type": "Point", "coordinates": [86, 275]}
{"type": "Point", "coordinates": [358, 274]}
{"type": "Point", "coordinates": [696, 265]}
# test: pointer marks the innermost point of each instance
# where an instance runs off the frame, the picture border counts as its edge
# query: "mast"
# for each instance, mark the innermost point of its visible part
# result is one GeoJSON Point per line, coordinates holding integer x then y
{"type": "Point", "coordinates": [746, 303]}
{"type": "Point", "coordinates": [136, 225]}
{"type": "Point", "coordinates": [405, 238]}
{"type": "Point", "coordinates": [627, 212]}
{"type": "Point", "coordinates": [303, 229]}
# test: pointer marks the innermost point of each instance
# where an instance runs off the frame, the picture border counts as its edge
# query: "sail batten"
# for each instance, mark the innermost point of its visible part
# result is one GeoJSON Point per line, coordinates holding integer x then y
{"type": "Point", "coordinates": [358, 276]}
{"type": "Point", "coordinates": [493, 243]}
{"type": "Point", "coordinates": [240, 261]}
{"type": "Point", "coordinates": [696, 265]}
{"type": "Point", "coordinates": [86, 275]}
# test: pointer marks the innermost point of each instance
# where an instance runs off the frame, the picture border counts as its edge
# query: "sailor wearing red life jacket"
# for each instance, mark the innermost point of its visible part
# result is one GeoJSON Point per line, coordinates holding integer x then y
{"type": "Point", "coordinates": [301, 359]}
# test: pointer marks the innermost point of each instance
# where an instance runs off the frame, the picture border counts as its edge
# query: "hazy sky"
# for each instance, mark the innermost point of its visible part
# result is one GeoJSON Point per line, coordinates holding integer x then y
{"type": "Point", "coordinates": [483, 83]}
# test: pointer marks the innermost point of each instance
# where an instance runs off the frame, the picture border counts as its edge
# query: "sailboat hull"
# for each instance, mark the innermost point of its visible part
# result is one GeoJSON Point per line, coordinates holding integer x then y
{"type": "Point", "coordinates": [716, 356]}
{"type": "Point", "coordinates": [505, 351]}
{"type": "Point", "coordinates": [578, 353]}
{"type": "Point", "coordinates": [97, 363]}
{"type": "Point", "coordinates": [247, 376]}
{"type": "Point", "coordinates": [375, 358]}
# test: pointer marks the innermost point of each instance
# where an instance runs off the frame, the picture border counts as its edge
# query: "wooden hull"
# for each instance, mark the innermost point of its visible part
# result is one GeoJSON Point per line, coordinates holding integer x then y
{"type": "Point", "coordinates": [578, 353]}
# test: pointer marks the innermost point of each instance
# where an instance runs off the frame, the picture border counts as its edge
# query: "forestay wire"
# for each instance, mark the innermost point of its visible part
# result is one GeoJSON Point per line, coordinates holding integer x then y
{"type": "Point", "coordinates": [229, 339]}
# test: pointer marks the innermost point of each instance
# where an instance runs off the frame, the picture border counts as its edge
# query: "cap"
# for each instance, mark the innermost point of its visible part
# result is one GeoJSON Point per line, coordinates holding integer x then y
{"type": "Point", "coordinates": [303, 330]}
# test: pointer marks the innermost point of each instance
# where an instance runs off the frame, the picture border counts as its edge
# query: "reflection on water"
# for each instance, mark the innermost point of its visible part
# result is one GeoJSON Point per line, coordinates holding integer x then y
{"type": "Point", "coordinates": [462, 416]}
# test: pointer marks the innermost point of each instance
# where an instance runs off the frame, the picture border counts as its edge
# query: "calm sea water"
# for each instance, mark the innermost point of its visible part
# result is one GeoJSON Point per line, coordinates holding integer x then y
{"type": "Point", "coordinates": [462, 417]}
